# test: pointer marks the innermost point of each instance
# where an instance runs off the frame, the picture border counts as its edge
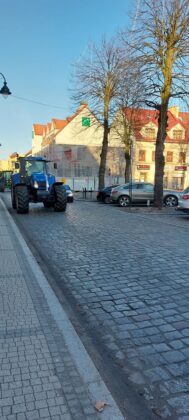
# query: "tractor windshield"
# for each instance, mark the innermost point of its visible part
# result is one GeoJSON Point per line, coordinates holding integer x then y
{"type": "Point", "coordinates": [35, 166]}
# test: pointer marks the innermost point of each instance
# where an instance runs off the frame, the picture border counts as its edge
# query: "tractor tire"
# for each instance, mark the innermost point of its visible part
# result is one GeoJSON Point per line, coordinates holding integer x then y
{"type": "Point", "coordinates": [13, 198]}
{"type": "Point", "coordinates": [60, 198]}
{"type": "Point", "coordinates": [22, 199]}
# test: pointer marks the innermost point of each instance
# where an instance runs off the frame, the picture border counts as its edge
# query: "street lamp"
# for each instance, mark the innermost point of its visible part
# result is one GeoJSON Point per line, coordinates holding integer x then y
{"type": "Point", "coordinates": [4, 90]}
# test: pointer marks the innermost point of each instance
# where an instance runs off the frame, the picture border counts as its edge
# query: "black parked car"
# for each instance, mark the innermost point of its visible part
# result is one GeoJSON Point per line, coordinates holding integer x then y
{"type": "Point", "coordinates": [69, 192]}
{"type": "Point", "coordinates": [104, 194]}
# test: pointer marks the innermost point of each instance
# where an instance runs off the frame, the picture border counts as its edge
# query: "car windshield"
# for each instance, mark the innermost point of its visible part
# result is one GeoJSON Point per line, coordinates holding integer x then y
{"type": "Point", "coordinates": [35, 166]}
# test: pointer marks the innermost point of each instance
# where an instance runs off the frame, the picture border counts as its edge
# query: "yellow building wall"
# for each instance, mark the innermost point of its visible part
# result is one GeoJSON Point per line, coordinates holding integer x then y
{"type": "Point", "coordinates": [176, 175]}
{"type": "Point", "coordinates": [36, 143]}
{"type": "Point", "coordinates": [4, 165]}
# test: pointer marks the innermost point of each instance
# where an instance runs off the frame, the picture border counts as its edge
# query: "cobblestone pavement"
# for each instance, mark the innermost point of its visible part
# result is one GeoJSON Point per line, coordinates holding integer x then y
{"type": "Point", "coordinates": [39, 378]}
{"type": "Point", "coordinates": [126, 274]}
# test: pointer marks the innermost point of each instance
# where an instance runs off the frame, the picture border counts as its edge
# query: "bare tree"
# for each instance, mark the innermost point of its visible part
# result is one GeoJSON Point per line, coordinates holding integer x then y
{"type": "Point", "coordinates": [160, 46]}
{"type": "Point", "coordinates": [126, 120]}
{"type": "Point", "coordinates": [123, 129]}
{"type": "Point", "coordinates": [97, 81]}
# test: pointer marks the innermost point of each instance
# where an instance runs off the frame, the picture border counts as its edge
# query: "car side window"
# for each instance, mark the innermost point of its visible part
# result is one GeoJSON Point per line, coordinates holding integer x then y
{"type": "Point", "coordinates": [149, 188]}
{"type": "Point", "coordinates": [139, 186]}
{"type": "Point", "coordinates": [126, 187]}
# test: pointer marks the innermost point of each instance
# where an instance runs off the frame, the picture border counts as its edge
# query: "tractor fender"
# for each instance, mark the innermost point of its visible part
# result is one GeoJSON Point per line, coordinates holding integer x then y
{"type": "Point", "coordinates": [53, 186]}
{"type": "Point", "coordinates": [57, 183]}
{"type": "Point", "coordinates": [19, 184]}
{"type": "Point", "coordinates": [16, 179]}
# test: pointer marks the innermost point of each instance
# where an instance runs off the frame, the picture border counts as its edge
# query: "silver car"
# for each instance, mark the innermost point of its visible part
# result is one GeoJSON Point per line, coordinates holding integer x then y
{"type": "Point", "coordinates": [183, 203]}
{"type": "Point", "coordinates": [141, 193]}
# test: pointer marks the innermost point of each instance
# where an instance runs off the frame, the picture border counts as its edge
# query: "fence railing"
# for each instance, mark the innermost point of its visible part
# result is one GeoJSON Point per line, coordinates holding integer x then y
{"type": "Point", "coordinates": [89, 183]}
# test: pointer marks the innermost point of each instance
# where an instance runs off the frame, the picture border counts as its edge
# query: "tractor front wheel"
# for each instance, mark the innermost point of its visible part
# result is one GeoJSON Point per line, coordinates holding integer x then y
{"type": "Point", "coordinates": [22, 199]}
{"type": "Point", "coordinates": [60, 198]}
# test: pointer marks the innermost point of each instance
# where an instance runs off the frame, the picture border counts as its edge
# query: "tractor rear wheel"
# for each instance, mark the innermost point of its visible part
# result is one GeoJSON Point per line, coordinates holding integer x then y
{"type": "Point", "coordinates": [60, 198]}
{"type": "Point", "coordinates": [22, 199]}
{"type": "Point", "coordinates": [13, 198]}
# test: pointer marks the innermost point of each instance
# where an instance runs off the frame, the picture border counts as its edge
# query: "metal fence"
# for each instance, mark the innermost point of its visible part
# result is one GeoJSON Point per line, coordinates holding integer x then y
{"type": "Point", "coordinates": [89, 183]}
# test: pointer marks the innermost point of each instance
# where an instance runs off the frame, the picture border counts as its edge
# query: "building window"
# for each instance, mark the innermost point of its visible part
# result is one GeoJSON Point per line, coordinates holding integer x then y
{"type": "Point", "coordinates": [150, 133]}
{"type": "Point", "coordinates": [177, 134]}
{"type": "Point", "coordinates": [142, 155]}
{"type": "Point", "coordinates": [153, 156]}
{"type": "Point", "coordinates": [178, 183]}
{"type": "Point", "coordinates": [169, 157]}
{"type": "Point", "coordinates": [182, 157]}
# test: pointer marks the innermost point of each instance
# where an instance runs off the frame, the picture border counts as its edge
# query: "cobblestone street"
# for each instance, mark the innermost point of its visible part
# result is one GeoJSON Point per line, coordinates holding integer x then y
{"type": "Point", "coordinates": [125, 276]}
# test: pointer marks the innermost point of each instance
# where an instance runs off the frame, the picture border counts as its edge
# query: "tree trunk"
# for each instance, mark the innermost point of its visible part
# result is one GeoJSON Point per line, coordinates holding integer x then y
{"type": "Point", "coordinates": [159, 156]}
{"type": "Point", "coordinates": [103, 156]}
{"type": "Point", "coordinates": [127, 167]}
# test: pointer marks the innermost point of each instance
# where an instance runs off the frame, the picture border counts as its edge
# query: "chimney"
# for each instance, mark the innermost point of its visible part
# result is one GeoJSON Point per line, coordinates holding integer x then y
{"type": "Point", "coordinates": [175, 111]}
{"type": "Point", "coordinates": [82, 105]}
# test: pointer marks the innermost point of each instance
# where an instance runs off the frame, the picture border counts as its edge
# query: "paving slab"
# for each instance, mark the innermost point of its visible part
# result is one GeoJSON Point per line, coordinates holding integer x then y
{"type": "Point", "coordinates": [45, 371]}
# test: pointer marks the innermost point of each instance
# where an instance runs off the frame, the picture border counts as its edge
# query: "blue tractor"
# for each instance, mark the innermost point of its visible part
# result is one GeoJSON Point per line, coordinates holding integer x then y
{"type": "Point", "coordinates": [34, 183]}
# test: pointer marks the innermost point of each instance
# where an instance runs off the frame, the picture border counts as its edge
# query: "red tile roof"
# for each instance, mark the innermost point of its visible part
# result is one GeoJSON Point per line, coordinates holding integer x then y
{"type": "Point", "coordinates": [141, 117]}
{"type": "Point", "coordinates": [69, 119]}
{"type": "Point", "coordinates": [48, 127]}
{"type": "Point", "coordinates": [38, 129]}
{"type": "Point", "coordinates": [59, 124]}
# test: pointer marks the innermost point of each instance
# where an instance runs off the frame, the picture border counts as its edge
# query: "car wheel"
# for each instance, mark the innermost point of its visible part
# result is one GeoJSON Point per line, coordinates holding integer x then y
{"type": "Point", "coordinates": [171, 201]}
{"type": "Point", "coordinates": [124, 201]}
{"type": "Point", "coordinates": [107, 199]}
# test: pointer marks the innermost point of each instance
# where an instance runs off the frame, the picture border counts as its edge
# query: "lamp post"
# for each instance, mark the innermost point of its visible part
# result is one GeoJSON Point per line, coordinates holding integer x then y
{"type": "Point", "coordinates": [4, 90]}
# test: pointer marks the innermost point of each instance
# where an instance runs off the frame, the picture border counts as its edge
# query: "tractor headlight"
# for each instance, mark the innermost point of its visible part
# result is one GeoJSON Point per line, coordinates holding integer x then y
{"type": "Point", "coordinates": [35, 184]}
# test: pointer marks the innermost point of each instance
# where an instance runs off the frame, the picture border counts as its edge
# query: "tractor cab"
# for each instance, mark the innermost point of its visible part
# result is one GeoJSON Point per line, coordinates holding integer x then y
{"type": "Point", "coordinates": [31, 165]}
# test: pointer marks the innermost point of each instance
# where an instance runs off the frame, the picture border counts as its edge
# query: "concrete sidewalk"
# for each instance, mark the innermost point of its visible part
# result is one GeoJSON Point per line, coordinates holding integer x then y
{"type": "Point", "coordinates": [45, 372]}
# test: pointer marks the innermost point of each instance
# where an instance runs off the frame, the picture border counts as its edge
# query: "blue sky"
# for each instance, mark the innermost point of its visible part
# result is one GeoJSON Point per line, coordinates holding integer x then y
{"type": "Point", "coordinates": [40, 40]}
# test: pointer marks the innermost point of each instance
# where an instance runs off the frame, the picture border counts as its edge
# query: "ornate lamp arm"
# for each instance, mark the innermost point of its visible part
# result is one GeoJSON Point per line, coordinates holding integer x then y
{"type": "Point", "coordinates": [4, 90]}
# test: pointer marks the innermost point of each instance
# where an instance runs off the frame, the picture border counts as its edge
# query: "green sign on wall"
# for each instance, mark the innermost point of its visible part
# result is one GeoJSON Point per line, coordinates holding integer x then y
{"type": "Point", "coordinates": [86, 122]}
